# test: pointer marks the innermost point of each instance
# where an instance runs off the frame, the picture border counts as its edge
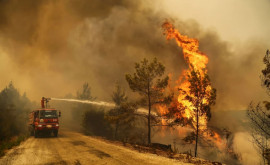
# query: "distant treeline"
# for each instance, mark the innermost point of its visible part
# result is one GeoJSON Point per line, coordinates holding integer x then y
{"type": "Point", "coordinates": [14, 109]}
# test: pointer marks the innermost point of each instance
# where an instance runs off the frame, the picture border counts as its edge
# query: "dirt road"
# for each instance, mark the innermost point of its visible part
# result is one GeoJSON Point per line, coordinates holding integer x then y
{"type": "Point", "coordinates": [75, 148]}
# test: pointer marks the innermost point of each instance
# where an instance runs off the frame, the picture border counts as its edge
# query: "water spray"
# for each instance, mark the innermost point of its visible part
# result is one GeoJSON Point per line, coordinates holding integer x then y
{"type": "Point", "coordinates": [103, 103]}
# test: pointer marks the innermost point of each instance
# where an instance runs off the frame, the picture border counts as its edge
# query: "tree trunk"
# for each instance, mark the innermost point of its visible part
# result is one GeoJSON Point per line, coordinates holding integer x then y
{"type": "Point", "coordinates": [197, 131]}
{"type": "Point", "coordinates": [116, 128]}
{"type": "Point", "coordinates": [149, 113]}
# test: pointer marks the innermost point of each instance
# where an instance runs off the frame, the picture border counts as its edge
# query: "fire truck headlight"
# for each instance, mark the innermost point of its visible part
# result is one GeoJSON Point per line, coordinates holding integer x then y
{"type": "Point", "coordinates": [39, 125]}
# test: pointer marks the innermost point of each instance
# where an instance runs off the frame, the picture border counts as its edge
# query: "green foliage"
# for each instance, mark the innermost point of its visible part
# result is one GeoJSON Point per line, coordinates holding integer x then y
{"type": "Point", "coordinates": [266, 71]}
{"type": "Point", "coordinates": [127, 124]}
{"type": "Point", "coordinates": [10, 143]}
{"type": "Point", "coordinates": [148, 82]}
{"type": "Point", "coordinates": [14, 110]}
{"type": "Point", "coordinates": [259, 116]}
{"type": "Point", "coordinates": [94, 123]}
{"type": "Point", "coordinates": [91, 116]}
{"type": "Point", "coordinates": [123, 118]}
{"type": "Point", "coordinates": [122, 114]}
{"type": "Point", "coordinates": [116, 116]}
{"type": "Point", "coordinates": [85, 93]}
{"type": "Point", "coordinates": [119, 95]}
{"type": "Point", "coordinates": [79, 109]}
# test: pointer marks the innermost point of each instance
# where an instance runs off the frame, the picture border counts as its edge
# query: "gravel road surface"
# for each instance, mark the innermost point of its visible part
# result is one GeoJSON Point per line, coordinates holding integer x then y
{"type": "Point", "coordinates": [77, 149]}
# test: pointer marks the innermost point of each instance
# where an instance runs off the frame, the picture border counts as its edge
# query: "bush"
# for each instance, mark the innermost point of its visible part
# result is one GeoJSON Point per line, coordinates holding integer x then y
{"type": "Point", "coordinates": [95, 124]}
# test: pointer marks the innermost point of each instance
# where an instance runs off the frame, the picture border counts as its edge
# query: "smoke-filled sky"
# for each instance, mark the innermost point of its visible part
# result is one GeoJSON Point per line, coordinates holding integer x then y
{"type": "Point", "coordinates": [50, 48]}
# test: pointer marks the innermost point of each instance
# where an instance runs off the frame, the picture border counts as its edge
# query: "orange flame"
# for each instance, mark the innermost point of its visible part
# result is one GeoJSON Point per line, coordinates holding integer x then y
{"type": "Point", "coordinates": [163, 111]}
{"type": "Point", "coordinates": [190, 47]}
{"type": "Point", "coordinates": [197, 61]}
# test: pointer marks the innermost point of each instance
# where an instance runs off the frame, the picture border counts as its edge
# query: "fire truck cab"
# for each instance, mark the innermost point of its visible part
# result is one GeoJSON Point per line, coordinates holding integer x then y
{"type": "Point", "coordinates": [44, 120]}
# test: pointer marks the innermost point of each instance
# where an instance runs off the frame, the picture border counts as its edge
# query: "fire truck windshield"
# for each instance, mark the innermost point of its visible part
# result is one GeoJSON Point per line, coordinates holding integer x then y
{"type": "Point", "coordinates": [48, 114]}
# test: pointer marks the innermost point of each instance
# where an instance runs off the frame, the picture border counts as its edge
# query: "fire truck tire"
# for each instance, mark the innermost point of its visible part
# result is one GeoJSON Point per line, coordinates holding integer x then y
{"type": "Point", "coordinates": [55, 133]}
{"type": "Point", "coordinates": [36, 133]}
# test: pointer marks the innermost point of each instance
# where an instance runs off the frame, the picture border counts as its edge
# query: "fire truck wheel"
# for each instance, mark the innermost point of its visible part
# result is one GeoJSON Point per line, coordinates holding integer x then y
{"type": "Point", "coordinates": [36, 133]}
{"type": "Point", "coordinates": [55, 133]}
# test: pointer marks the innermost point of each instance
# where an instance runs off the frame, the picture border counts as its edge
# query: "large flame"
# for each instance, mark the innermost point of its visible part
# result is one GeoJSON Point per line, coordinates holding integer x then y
{"type": "Point", "coordinates": [196, 61]}
{"type": "Point", "coordinates": [190, 47]}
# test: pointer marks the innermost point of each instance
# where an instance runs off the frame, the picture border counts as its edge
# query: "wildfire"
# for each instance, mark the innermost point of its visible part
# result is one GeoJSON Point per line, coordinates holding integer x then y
{"type": "Point", "coordinates": [190, 47]}
{"type": "Point", "coordinates": [185, 109]}
{"type": "Point", "coordinates": [197, 61]}
{"type": "Point", "coordinates": [163, 111]}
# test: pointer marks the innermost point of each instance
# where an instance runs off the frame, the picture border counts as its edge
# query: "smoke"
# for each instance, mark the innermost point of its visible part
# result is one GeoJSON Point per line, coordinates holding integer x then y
{"type": "Point", "coordinates": [243, 144]}
{"type": "Point", "coordinates": [50, 48]}
{"type": "Point", "coordinates": [51, 44]}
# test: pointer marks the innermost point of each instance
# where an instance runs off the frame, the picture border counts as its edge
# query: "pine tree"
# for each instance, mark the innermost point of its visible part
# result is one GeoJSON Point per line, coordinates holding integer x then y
{"type": "Point", "coordinates": [149, 83]}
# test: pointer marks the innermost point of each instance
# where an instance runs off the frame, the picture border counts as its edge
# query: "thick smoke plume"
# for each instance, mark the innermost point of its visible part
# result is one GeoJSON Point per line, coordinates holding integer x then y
{"type": "Point", "coordinates": [53, 47]}
{"type": "Point", "coordinates": [50, 48]}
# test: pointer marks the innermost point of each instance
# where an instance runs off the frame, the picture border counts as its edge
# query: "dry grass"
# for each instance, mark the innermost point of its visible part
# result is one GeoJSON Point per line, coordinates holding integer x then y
{"type": "Point", "coordinates": [15, 141]}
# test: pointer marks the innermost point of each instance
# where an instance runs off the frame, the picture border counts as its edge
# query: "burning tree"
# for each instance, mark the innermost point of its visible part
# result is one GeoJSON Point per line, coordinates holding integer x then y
{"type": "Point", "coordinates": [260, 116]}
{"type": "Point", "coordinates": [197, 101]}
{"type": "Point", "coordinates": [196, 94]}
{"type": "Point", "coordinates": [148, 82]}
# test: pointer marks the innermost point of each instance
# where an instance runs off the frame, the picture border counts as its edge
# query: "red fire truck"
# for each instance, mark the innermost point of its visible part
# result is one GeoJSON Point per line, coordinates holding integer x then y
{"type": "Point", "coordinates": [44, 120]}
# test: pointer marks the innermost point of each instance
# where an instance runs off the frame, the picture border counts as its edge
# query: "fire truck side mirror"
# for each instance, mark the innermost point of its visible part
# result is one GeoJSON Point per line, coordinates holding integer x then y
{"type": "Point", "coordinates": [59, 114]}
